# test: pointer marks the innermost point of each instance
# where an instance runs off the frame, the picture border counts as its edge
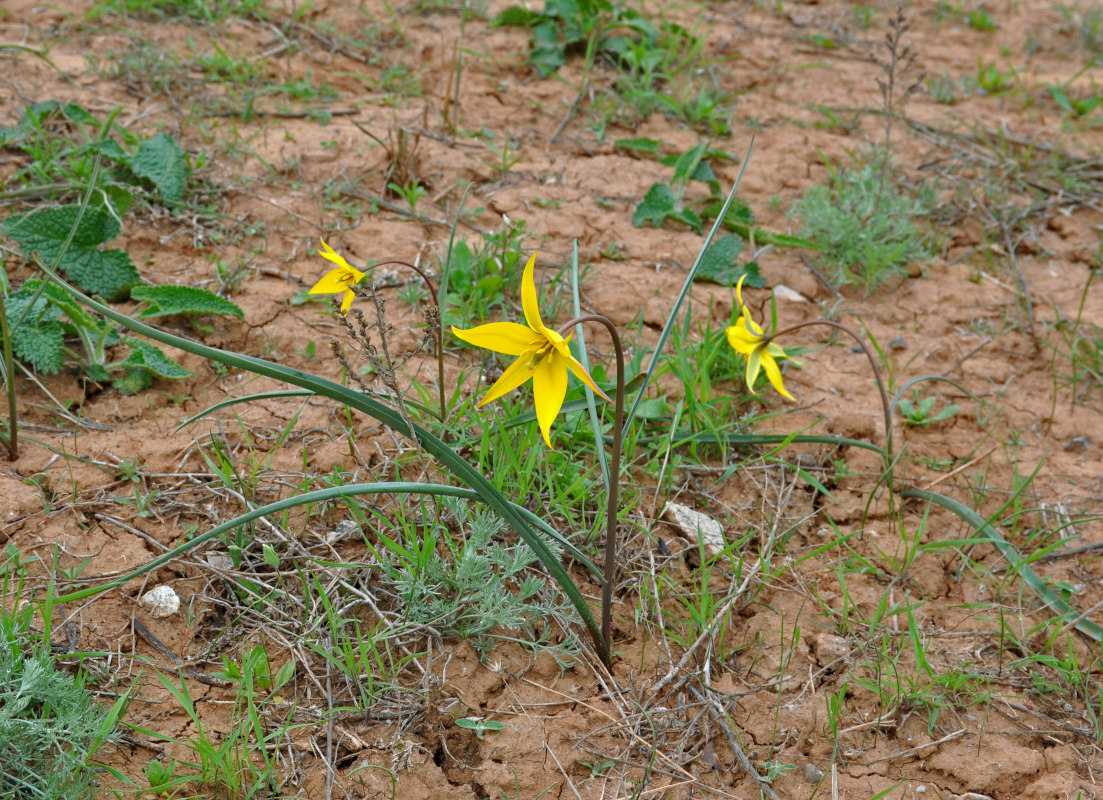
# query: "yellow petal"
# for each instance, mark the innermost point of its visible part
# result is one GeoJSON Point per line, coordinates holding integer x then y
{"type": "Point", "coordinates": [337, 280]}
{"type": "Point", "coordinates": [580, 372]}
{"type": "Point", "coordinates": [346, 301]}
{"type": "Point", "coordinates": [501, 337]}
{"type": "Point", "coordinates": [754, 364]}
{"type": "Point", "coordinates": [738, 290]}
{"type": "Point", "coordinates": [516, 373]}
{"type": "Point", "coordinates": [774, 375]}
{"type": "Point", "coordinates": [528, 297]}
{"type": "Point", "coordinates": [742, 340]}
{"type": "Point", "coordinates": [331, 254]}
{"type": "Point", "coordinates": [549, 387]}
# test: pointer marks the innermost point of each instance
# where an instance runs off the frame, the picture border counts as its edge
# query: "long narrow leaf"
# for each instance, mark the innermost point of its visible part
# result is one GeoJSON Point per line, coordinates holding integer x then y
{"type": "Point", "coordinates": [984, 529]}
{"type": "Point", "coordinates": [341, 394]}
{"type": "Point", "coordinates": [584, 359]}
{"type": "Point", "coordinates": [317, 496]}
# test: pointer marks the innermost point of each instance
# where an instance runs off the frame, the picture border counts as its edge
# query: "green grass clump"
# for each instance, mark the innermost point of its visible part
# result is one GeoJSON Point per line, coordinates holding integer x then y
{"type": "Point", "coordinates": [865, 222]}
{"type": "Point", "coordinates": [49, 725]}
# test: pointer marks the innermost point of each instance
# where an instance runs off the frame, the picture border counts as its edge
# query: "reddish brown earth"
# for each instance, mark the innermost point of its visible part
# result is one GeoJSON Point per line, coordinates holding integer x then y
{"type": "Point", "coordinates": [794, 635]}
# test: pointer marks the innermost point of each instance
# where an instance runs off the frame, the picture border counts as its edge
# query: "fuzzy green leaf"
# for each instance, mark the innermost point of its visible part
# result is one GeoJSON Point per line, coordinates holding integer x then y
{"type": "Point", "coordinates": [656, 206]}
{"type": "Point", "coordinates": [689, 217]}
{"type": "Point", "coordinates": [40, 339]}
{"type": "Point", "coordinates": [166, 300]}
{"type": "Point", "coordinates": [718, 265]}
{"type": "Point", "coordinates": [109, 273]}
{"type": "Point", "coordinates": [163, 162]}
{"type": "Point", "coordinates": [41, 345]}
{"type": "Point", "coordinates": [133, 380]}
{"type": "Point", "coordinates": [147, 356]}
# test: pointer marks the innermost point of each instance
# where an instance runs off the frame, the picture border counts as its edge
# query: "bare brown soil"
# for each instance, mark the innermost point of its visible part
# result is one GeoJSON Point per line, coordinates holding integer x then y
{"type": "Point", "coordinates": [961, 316]}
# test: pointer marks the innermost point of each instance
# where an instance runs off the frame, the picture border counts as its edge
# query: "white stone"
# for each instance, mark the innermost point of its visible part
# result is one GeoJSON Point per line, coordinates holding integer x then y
{"type": "Point", "coordinates": [161, 602]}
{"type": "Point", "coordinates": [690, 522]}
{"type": "Point", "coordinates": [783, 292]}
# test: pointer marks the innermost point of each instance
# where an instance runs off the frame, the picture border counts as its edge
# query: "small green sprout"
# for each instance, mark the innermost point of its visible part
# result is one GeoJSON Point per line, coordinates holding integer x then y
{"type": "Point", "coordinates": [917, 411]}
{"type": "Point", "coordinates": [597, 768]}
{"type": "Point", "coordinates": [479, 725]}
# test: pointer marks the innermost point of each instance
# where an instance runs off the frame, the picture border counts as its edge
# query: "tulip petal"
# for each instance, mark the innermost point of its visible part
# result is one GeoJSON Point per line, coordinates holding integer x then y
{"type": "Point", "coordinates": [515, 374]}
{"type": "Point", "coordinates": [773, 373]}
{"type": "Point", "coordinates": [331, 254]}
{"type": "Point", "coordinates": [742, 340]}
{"type": "Point", "coordinates": [501, 337]}
{"type": "Point", "coordinates": [580, 372]}
{"type": "Point", "coordinates": [738, 290]}
{"type": "Point", "coordinates": [549, 387]}
{"type": "Point", "coordinates": [346, 301]}
{"type": "Point", "coordinates": [528, 297]}
{"type": "Point", "coordinates": [754, 365]}
{"type": "Point", "coordinates": [337, 280]}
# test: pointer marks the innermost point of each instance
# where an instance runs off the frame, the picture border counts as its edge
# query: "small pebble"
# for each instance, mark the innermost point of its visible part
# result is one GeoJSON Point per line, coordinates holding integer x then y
{"type": "Point", "coordinates": [811, 774]}
{"type": "Point", "coordinates": [161, 602]}
{"type": "Point", "coordinates": [1078, 444]}
{"type": "Point", "coordinates": [920, 789]}
{"type": "Point", "coordinates": [898, 344]}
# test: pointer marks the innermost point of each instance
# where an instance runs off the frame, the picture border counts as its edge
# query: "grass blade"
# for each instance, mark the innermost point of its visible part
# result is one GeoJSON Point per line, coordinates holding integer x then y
{"type": "Point", "coordinates": [984, 529]}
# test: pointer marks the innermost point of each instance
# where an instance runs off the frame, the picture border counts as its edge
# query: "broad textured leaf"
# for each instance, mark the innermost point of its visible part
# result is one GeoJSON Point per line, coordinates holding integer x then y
{"type": "Point", "coordinates": [49, 228]}
{"type": "Point", "coordinates": [42, 345]}
{"type": "Point", "coordinates": [110, 273]}
{"type": "Point", "coordinates": [105, 272]}
{"type": "Point", "coordinates": [719, 262]}
{"type": "Point", "coordinates": [656, 206]}
{"type": "Point", "coordinates": [40, 340]}
{"type": "Point", "coordinates": [690, 218]}
{"type": "Point", "coordinates": [133, 380]}
{"type": "Point", "coordinates": [152, 358]}
{"type": "Point", "coordinates": [165, 300]}
{"type": "Point", "coordinates": [163, 162]}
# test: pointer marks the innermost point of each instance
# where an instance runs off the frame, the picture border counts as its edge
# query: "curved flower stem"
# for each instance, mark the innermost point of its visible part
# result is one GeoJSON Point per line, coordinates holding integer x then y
{"type": "Point", "coordinates": [439, 323]}
{"type": "Point", "coordinates": [886, 407]}
{"type": "Point", "coordinates": [614, 482]}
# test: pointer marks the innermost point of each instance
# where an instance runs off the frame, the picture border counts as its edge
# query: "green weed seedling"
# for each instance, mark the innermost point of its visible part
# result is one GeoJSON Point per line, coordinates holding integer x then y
{"type": "Point", "coordinates": [917, 411]}
{"type": "Point", "coordinates": [476, 278]}
{"type": "Point", "coordinates": [597, 768]}
{"type": "Point", "coordinates": [665, 201]}
{"type": "Point", "coordinates": [993, 80]}
{"type": "Point", "coordinates": [479, 725]}
{"type": "Point", "coordinates": [44, 321]}
{"type": "Point", "coordinates": [410, 192]}
{"type": "Point", "coordinates": [481, 590]}
{"type": "Point", "coordinates": [1076, 107]}
{"type": "Point", "coordinates": [595, 27]}
{"type": "Point", "coordinates": [865, 223]}
{"type": "Point", "coordinates": [50, 727]}
{"type": "Point", "coordinates": [61, 159]}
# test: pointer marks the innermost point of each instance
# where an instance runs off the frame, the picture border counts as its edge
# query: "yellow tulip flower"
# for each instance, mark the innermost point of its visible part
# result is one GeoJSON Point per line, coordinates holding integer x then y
{"type": "Point", "coordinates": [337, 280]}
{"type": "Point", "coordinates": [542, 354]}
{"type": "Point", "coordinates": [748, 339]}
